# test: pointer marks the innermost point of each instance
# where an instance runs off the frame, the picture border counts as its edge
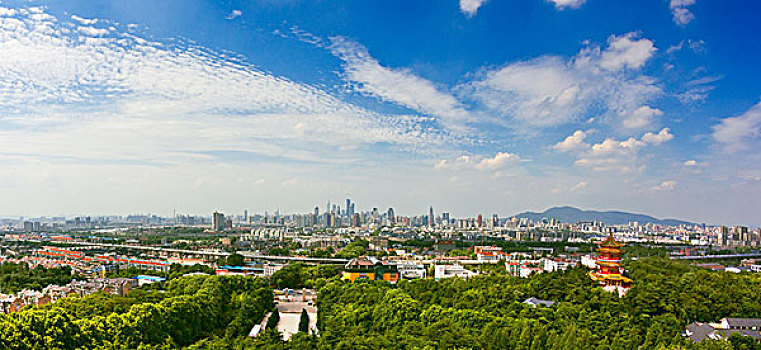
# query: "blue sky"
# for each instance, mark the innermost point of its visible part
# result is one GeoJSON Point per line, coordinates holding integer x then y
{"type": "Point", "coordinates": [470, 106]}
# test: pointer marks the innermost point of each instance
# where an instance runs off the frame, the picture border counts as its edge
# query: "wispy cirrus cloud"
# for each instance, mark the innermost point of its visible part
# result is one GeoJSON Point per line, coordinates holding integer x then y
{"type": "Point", "coordinates": [399, 86]}
{"type": "Point", "coordinates": [96, 90]}
{"type": "Point", "coordinates": [567, 4]}
{"type": "Point", "coordinates": [741, 132]}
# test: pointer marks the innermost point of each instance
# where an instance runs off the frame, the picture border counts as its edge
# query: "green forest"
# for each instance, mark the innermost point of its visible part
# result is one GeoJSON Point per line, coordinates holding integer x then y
{"type": "Point", "coordinates": [484, 312]}
{"type": "Point", "coordinates": [190, 309]}
{"type": "Point", "coordinates": [15, 277]}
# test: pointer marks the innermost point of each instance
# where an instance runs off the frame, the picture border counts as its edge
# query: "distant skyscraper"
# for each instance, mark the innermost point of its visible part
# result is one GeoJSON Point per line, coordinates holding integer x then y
{"type": "Point", "coordinates": [245, 215]}
{"type": "Point", "coordinates": [351, 211]}
{"type": "Point", "coordinates": [316, 211]}
{"type": "Point", "coordinates": [348, 207]}
{"type": "Point", "coordinates": [391, 216]}
{"type": "Point", "coordinates": [431, 218]}
{"type": "Point", "coordinates": [480, 220]}
{"type": "Point", "coordinates": [217, 221]}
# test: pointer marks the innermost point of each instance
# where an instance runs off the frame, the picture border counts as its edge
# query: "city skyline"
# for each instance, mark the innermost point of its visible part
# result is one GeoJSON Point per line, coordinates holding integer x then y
{"type": "Point", "coordinates": [471, 106]}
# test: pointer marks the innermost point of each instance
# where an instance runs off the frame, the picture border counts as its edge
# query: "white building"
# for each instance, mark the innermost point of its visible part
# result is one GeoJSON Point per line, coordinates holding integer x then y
{"type": "Point", "coordinates": [447, 271]}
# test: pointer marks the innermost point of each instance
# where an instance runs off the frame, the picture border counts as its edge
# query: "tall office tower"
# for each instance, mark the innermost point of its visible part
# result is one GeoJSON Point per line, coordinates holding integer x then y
{"type": "Point", "coordinates": [495, 220]}
{"type": "Point", "coordinates": [356, 221]}
{"type": "Point", "coordinates": [480, 220]}
{"type": "Point", "coordinates": [431, 218]}
{"type": "Point", "coordinates": [348, 207]}
{"type": "Point", "coordinates": [391, 216]}
{"type": "Point", "coordinates": [217, 221]}
{"type": "Point", "coordinates": [445, 219]}
{"type": "Point", "coordinates": [245, 215]}
{"type": "Point", "coordinates": [316, 211]}
{"type": "Point", "coordinates": [376, 215]}
{"type": "Point", "coordinates": [327, 207]}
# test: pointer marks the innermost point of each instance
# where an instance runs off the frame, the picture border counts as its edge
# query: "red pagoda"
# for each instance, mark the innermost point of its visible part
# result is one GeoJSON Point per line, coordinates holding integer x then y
{"type": "Point", "coordinates": [609, 271]}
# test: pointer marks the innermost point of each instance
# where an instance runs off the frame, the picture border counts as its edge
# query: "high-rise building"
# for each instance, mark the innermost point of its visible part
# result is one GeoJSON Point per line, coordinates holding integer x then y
{"type": "Point", "coordinates": [480, 220]}
{"type": "Point", "coordinates": [217, 221]}
{"type": "Point", "coordinates": [431, 218]}
{"type": "Point", "coordinates": [445, 219]}
{"type": "Point", "coordinates": [245, 215]}
{"type": "Point", "coordinates": [391, 216]}
{"type": "Point", "coordinates": [348, 207]}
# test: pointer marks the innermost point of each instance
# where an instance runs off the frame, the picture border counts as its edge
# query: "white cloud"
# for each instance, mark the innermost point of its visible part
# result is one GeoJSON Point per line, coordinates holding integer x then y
{"type": "Point", "coordinates": [610, 154]}
{"type": "Point", "coordinates": [66, 95]}
{"type": "Point", "coordinates": [626, 51]}
{"type": "Point", "coordinates": [573, 142]}
{"type": "Point", "coordinates": [478, 162]}
{"type": "Point", "coordinates": [579, 186]}
{"type": "Point", "coordinates": [667, 185]}
{"type": "Point", "coordinates": [641, 117]}
{"type": "Point", "coordinates": [675, 48]}
{"type": "Point", "coordinates": [397, 85]}
{"type": "Point", "coordinates": [92, 31]}
{"type": "Point", "coordinates": [85, 21]}
{"type": "Point", "coordinates": [470, 7]}
{"type": "Point", "coordinates": [7, 12]}
{"type": "Point", "coordinates": [550, 90]}
{"type": "Point", "coordinates": [740, 132]}
{"type": "Point", "coordinates": [679, 10]}
{"type": "Point", "coordinates": [661, 137]}
{"type": "Point", "coordinates": [498, 161]}
{"type": "Point", "coordinates": [691, 163]}
{"type": "Point", "coordinates": [565, 4]}
{"type": "Point", "coordinates": [234, 14]}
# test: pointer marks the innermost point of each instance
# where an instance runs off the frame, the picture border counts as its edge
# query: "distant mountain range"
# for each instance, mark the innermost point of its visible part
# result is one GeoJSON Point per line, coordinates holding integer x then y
{"type": "Point", "coordinates": [573, 215]}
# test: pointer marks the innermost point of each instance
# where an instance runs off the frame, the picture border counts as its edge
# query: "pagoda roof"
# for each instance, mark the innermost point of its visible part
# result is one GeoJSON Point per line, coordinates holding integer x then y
{"type": "Point", "coordinates": [610, 242]}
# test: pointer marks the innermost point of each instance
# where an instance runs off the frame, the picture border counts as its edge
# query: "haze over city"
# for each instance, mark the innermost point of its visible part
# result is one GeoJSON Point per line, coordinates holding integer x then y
{"type": "Point", "coordinates": [470, 106]}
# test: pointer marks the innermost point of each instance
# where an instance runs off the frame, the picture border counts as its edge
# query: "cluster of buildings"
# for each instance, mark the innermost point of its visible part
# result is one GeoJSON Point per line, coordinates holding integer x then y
{"type": "Point", "coordinates": [411, 266]}
{"type": "Point", "coordinates": [52, 293]}
{"type": "Point", "coordinates": [723, 329]}
{"type": "Point", "coordinates": [342, 219]}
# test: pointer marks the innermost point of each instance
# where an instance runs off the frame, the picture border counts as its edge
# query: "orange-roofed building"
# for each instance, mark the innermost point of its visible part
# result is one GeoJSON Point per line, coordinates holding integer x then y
{"type": "Point", "coordinates": [609, 272]}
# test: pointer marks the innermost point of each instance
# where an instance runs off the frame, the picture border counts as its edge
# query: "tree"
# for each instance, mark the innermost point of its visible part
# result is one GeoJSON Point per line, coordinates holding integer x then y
{"type": "Point", "coordinates": [304, 322]}
{"type": "Point", "coordinates": [234, 259]}
{"type": "Point", "coordinates": [273, 320]}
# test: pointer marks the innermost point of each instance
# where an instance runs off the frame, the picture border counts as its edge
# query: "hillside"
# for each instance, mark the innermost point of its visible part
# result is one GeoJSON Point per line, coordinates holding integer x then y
{"type": "Point", "coordinates": [572, 215]}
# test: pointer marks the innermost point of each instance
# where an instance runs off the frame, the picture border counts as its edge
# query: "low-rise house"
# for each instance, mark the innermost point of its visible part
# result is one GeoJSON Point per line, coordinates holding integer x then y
{"type": "Point", "coordinates": [370, 268]}
{"type": "Point", "coordinates": [749, 327]}
{"type": "Point", "coordinates": [227, 270]}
